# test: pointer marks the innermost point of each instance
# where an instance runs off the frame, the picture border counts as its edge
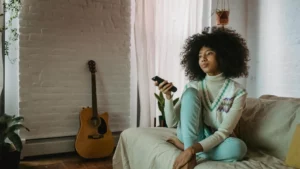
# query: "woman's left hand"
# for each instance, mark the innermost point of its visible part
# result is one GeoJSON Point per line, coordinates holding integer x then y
{"type": "Point", "coordinates": [184, 157]}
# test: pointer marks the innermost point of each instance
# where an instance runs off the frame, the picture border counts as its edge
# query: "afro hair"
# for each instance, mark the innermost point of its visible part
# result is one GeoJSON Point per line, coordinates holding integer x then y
{"type": "Point", "coordinates": [231, 51]}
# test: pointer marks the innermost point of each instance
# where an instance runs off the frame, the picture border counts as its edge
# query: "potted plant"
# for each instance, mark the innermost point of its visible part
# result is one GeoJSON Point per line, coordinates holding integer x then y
{"type": "Point", "coordinates": [222, 12]}
{"type": "Point", "coordinates": [10, 142]}
{"type": "Point", "coordinates": [222, 16]}
{"type": "Point", "coordinates": [161, 105]}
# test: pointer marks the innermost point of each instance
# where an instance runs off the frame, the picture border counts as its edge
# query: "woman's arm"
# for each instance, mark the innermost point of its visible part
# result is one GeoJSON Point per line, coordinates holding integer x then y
{"type": "Point", "coordinates": [172, 113]}
{"type": "Point", "coordinates": [226, 128]}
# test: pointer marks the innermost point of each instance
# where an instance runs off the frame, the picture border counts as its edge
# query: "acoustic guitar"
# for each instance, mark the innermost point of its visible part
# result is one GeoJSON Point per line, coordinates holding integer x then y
{"type": "Point", "coordinates": [94, 138]}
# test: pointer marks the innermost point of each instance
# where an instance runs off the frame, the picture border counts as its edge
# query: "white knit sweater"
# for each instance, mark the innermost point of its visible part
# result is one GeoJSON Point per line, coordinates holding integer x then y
{"type": "Point", "coordinates": [223, 102]}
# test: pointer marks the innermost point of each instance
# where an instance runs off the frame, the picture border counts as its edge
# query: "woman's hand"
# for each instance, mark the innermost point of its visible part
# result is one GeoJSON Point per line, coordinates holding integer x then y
{"type": "Point", "coordinates": [186, 159]}
{"type": "Point", "coordinates": [165, 87]}
{"type": "Point", "coordinates": [176, 142]}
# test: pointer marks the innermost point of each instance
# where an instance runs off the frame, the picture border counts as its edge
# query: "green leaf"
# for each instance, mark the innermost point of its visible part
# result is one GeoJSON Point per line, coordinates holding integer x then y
{"type": "Point", "coordinates": [2, 139]}
{"type": "Point", "coordinates": [3, 127]}
{"type": "Point", "coordinates": [16, 140]}
{"type": "Point", "coordinates": [161, 95]}
{"type": "Point", "coordinates": [161, 100]}
{"type": "Point", "coordinates": [16, 127]}
{"type": "Point", "coordinates": [161, 108]}
{"type": "Point", "coordinates": [17, 119]}
{"type": "Point", "coordinates": [175, 101]}
{"type": "Point", "coordinates": [5, 119]}
{"type": "Point", "coordinates": [157, 97]}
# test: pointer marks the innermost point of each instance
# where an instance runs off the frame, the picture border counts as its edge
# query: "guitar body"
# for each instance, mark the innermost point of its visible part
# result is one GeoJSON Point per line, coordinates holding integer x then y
{"type": "Point", "coordinates": [94, 138]}
{"type": "Point", "coordinates": [94, 141]}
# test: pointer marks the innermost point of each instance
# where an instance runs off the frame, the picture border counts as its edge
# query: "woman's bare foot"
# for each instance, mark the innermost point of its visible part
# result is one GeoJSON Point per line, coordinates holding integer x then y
{"type": "Point", "coordinates": [176, 142]}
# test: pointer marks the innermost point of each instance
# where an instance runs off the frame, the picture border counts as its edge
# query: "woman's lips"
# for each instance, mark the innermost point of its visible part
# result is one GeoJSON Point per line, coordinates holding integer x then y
{"type": "Point", "coordinates": [204, 65]}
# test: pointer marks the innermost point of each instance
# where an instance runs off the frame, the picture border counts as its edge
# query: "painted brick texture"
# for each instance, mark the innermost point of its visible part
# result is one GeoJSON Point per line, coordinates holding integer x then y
{"type": "Point", "coordinates": [57, 38]}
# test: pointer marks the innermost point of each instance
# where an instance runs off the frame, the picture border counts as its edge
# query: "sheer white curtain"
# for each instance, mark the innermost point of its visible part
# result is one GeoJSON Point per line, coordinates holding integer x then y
{"type": "Point", "coordinates": [160, 30]}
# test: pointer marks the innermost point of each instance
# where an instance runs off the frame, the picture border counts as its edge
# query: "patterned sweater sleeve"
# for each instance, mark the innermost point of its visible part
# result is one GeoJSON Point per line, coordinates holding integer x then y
{"type": "Point", "coordinates": [228, 124]}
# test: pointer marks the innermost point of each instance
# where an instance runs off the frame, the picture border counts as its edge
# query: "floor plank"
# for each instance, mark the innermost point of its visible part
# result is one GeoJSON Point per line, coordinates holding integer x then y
{"type": "Point", "coordinates": [65, 161]}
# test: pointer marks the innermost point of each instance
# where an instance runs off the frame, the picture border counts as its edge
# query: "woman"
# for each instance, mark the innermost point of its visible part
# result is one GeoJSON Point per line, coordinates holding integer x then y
{"type": "Point", "coordinates": [211, 104]}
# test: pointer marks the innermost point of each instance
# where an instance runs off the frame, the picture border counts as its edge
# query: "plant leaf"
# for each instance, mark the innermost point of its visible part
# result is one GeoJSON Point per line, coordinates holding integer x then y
{"type": "Point", "coordinates": [161, 95]}
{"type": "Point", "coordinates": [158, 104]}
{"type": "Point", "coordinates": [157, 97]}
{"type": "Point", "coordinates": [161, 109]}
{"type": "Point", "coordinates": [175, 101]}
{"type": "Point", "coordinates": [161, 100]}
{"type": "Point", "coordinates": [2, 139]}
{"type": "Point", "coordinates": [16, 127]}
{"type": "Point", "coordinates": [17, 119]}
{"type": "Point", "coordinates": [5, 119]}
{"type": "Point", "coordinates": [16, 140]}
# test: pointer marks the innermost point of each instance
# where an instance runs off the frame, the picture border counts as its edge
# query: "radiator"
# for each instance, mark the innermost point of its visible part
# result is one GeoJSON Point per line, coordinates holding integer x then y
{"type": "Point", "coordinates": [35, 147]}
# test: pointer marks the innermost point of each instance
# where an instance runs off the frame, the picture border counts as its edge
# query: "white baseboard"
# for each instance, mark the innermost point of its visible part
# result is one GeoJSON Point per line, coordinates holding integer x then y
{"type": "Point", "coordinates": [38, 147]}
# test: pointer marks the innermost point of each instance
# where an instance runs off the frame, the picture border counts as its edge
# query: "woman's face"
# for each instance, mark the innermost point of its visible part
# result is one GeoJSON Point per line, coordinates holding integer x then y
{"type": "Point", "coordinates": [208, 61]}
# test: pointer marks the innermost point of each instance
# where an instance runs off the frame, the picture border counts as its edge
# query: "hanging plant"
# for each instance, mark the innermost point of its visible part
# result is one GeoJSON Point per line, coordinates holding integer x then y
{"type": "Point", "coordinates": [222, 12]}
{"type": "Point", "coordinates": [13, 7]}
{"type": "Point", "coordinates": [222, 17]}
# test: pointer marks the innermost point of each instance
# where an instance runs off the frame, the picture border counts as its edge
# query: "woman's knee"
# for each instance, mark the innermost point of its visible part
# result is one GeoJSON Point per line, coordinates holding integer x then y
{"type": "Point", "coordinates": [190, 93]}
{"type": "Point", "coordinates": [237, 147]}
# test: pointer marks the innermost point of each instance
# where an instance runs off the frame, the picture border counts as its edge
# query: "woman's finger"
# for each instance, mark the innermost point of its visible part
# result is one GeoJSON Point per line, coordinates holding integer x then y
{"type": "Point", "coordinates": [155, 83]}
{"type": "Point", "coordinates": [174, 165]}
{"type": "Point", "coordinates": [162, 84]}
{"type": "Point", "coordinates": [179, 165]}
{"type": "Point", "coordinates": [167, 87]}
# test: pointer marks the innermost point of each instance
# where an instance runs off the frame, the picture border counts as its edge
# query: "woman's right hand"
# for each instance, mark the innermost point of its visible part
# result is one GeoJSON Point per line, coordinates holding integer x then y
{"type": "Point", "coordinates": [165, 88]}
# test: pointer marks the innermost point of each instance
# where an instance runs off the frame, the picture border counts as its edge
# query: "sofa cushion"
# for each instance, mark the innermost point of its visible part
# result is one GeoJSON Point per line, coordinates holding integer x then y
{"type": "Point", "coordinates": [268, 124]}
{"type": "Point", "coordinates": [140, 148]}
{"type": "Point", "coordinates": [293, 155]}
{"type": "Point", "coordinates": [274, 97]}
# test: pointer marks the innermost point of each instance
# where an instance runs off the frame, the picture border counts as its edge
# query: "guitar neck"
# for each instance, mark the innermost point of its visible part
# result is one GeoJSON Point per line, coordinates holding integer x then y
{"type": "Point", "coordinates": [94, 96]}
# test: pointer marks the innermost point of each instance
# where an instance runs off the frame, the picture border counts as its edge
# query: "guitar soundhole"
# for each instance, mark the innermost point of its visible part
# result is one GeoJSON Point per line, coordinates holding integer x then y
{"type": "Point", "coordinates": [102, 129]}
{"type": "Point", "coordinates": [95, 121]}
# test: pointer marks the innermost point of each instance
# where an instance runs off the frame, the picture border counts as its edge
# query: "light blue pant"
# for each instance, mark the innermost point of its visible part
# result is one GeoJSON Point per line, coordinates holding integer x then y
{"type": "Point", "coordinates": [192, 129]}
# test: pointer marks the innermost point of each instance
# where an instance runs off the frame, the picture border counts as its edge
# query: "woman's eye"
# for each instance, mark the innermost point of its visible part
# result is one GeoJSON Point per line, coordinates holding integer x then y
{"type": "Point", "coordinates": [208, 53]}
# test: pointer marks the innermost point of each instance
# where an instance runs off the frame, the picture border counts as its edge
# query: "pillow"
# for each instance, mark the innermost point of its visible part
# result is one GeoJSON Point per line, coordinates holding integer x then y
{"type": "Point", "coordinates": [293, 155]}
{"type": "Point", "coordinates": [269, 125]}
{"type": "Point", "coordinates": [274, 97]}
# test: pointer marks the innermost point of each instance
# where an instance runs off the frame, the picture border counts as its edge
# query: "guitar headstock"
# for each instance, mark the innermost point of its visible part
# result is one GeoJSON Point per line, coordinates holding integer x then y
{"type": "Point", "coordinates": [92, 66]}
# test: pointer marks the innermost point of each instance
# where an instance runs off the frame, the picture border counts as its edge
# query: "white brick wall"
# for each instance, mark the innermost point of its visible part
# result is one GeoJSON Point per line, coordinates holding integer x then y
{"type": "Point", "coordinates": [274, 42]}
{"type": "Point", "coordinates": [57, 38]}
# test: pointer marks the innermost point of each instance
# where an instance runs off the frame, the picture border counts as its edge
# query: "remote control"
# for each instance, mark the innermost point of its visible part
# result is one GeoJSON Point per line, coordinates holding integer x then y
{"type": "Point", "coordinates": [160, 80]}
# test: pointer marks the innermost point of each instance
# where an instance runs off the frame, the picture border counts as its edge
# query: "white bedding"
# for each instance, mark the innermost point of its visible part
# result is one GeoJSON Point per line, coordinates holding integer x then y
{"type": "Point", "coordinates": [146, 148]}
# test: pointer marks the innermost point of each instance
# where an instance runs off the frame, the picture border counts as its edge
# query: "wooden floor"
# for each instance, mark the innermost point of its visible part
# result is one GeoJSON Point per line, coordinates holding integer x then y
{"type": "Point", "coordinates": [64, 161]}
